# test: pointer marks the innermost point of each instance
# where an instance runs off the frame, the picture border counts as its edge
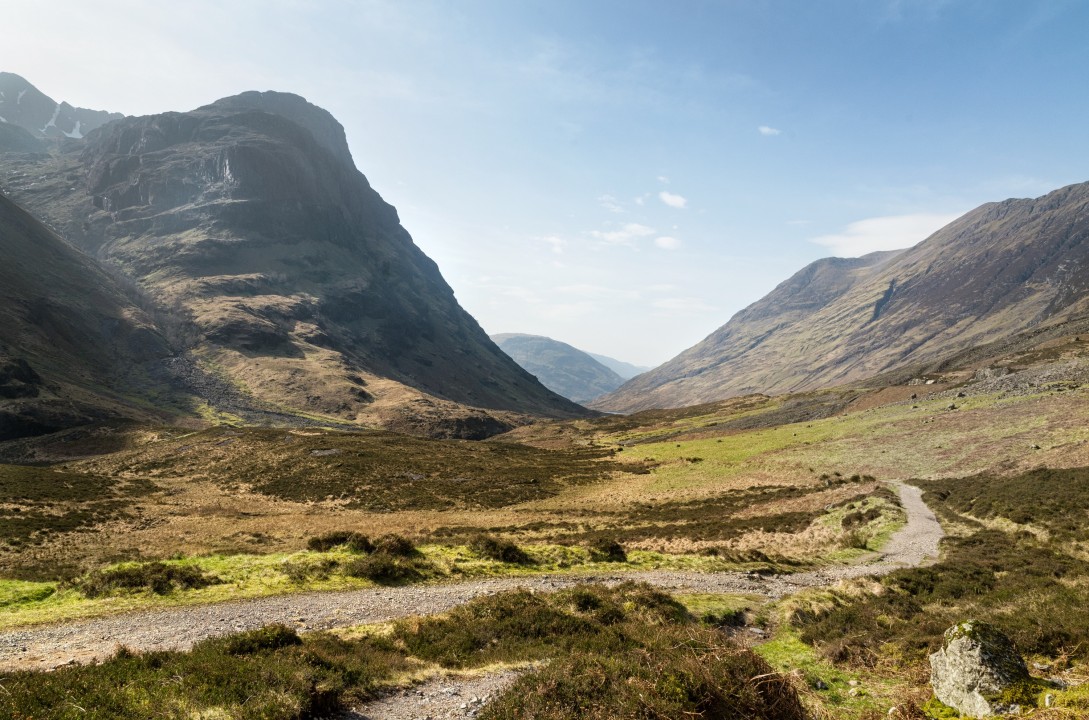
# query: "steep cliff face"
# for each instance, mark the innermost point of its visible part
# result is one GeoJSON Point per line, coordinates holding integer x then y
{"type": "Point", "coordinates": [249, 217]}
{"type": "Point", "coordinates": [72, 344]}
{"type": "Point", "coordinates": [25, 106]}
{"type": "Point", "coordinates": [1001, 269]}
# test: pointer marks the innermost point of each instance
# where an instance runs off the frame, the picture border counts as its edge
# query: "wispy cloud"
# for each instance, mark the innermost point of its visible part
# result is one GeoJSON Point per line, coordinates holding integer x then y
{"type": "Point", "coordinates": [673, 200]}
{"type": "Point", "coordinates": [667, 243]}
{"type": "Point", "coordinates": [558, 243]}
{"type": "Point", "coordinates": [769, 131]}
{"type": "Point", "coordinates": [891, 232]}
{"type": "Point", "coordinates": [610, 203]}
{"type": "Point", "coordinates": [663, 179]}
{"type": "Point", "coordinates": [626, 235]}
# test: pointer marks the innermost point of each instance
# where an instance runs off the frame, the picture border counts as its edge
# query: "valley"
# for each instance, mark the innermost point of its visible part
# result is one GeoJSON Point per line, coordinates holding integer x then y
{"type": "Point", "coordinates": [258, 460]}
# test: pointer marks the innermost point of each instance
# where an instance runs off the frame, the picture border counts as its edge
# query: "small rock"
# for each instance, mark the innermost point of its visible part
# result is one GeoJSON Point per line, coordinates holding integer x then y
{"type": "Point", "coordinates": [853, 683]}
{"type": "Point", "coordinates": [819, 684]}
{"type": "Point", "coordinates": [1049, 700]}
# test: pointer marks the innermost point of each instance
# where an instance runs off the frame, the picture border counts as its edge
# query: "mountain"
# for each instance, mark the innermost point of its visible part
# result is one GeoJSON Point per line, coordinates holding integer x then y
{"type": "Point", "coordinates": [26, 106]}
{"type": "Point", "coordinates": [72, 343]}
{"type": "Point", "coordinates": [621, 368]}
{"type": "Point", "coordinates": [249, 222]}
{"type": "Point", "coordinates": [560, 367]}
{"type": "Point", "coordinates": [1003, 268]}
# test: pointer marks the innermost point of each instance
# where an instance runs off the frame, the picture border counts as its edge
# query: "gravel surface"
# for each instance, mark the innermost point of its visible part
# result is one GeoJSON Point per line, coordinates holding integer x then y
{"type": "Point", "coordinates": [443, 697]}
{"type": "Point", "coordinates": [46, 647]}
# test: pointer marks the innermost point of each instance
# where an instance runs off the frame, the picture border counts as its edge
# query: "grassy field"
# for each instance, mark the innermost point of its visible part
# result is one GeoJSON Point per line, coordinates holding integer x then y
{"type": "Point", "coordinates": [168, 517]}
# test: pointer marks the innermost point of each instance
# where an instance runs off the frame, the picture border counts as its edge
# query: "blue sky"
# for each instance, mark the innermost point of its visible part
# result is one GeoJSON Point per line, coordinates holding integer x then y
{"type": "Point", "coordinates": [623, 176]}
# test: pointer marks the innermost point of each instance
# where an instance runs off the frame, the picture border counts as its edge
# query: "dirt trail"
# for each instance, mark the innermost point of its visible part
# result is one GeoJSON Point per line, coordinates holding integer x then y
{"type": "Point", "coordinates": [47, 647]}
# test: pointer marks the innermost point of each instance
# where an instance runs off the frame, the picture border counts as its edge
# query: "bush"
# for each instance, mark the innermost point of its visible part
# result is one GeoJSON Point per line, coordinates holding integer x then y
{"type": "Point", "coordinates": [608, 550]}
{"type": "Point", "coordinates": [396, 546]}
{"type": "Point", "coordinates": [492, 548]}
{"type": "Point", "coordinates": [673, 672]}
{"type": "Point", "coordinates": [355, 542]}
{"type": "Point", "coordinates": [157, 577]}
{"type": "Point", "coordinates": [386, 569]}
{"type": "Point", "coordinates": [270, 637]}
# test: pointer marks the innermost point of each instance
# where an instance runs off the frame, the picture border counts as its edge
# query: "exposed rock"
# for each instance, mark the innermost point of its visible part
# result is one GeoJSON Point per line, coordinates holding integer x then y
{"type": "Point", "coordinates": [973, 668]}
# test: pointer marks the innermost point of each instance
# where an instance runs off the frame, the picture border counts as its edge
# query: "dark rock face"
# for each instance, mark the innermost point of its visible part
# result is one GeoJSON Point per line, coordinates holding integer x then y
{"type": "Point", "coordinates": [26, 106]}
{"type": "Point", "coordinates": [248, 217]}
{"type": "Point", "coordinates": [559, 366]}
{"type": "Point", "coordinates": [974, 667]}
{"type": "Point", "coordinates": [71, 341]}
{"type": "Point", "coordinates": [999, 270]}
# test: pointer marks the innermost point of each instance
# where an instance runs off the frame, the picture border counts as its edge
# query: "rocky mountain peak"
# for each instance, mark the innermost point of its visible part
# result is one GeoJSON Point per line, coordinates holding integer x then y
{"type": "Point", "coordinates": [26, 106]}
{"type": "Point", "coordinates": [321, 123]}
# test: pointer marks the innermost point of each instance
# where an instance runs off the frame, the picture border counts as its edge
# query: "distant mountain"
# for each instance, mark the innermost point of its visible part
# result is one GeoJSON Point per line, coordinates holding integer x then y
{"type": "Point", "coordinates": [560, 367]}
{"type": "Point", "coordinates": [621, 368]}
{"type": "Point", "coordinates": [248, 219]}
{"type": "Point", "coordinates": [1001, 269]}
{"type": "Point", "coordinates": [26, 106]}
{"type": "Point", "coordinates": [72, 343]}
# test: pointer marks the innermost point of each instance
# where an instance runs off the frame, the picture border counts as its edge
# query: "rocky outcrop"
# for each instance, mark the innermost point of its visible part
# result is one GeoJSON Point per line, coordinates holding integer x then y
{"type": "Point", "coordinates": [25, 106]}
{"type": "Point", "coordinates": [997, 271]}
{"type": "Point", "coordinates": [976, 667]}
{"type": "Point", "coordinates": [295, 279]}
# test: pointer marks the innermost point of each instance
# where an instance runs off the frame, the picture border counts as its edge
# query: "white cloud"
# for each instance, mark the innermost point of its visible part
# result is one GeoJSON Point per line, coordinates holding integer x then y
{"type": "Point", "coordinates": [667, 243]}
{"type": "Point", "coordinates": [672, 200]}
{"type": "Point", "coordinates": [768, 131]}
{"type": "Point", "coordinates": [663, 179]}
{"type": "Point", "coordinates": [558, 243]}
{"type": "Point", "coordinates": [625, 235]}
{"type": "Point", "coordinates": [610, 203]}
{"type": "Point", "coordinates": [891, 232]}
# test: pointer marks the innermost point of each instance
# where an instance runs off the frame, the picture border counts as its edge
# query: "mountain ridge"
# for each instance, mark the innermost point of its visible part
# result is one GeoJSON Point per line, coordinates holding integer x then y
{"type": "Point", "coordinates": [303, 288]}
{"type": "Point", "coordinates": [560, 367]}
{"type": "Point", "coordinates": [998, 270]}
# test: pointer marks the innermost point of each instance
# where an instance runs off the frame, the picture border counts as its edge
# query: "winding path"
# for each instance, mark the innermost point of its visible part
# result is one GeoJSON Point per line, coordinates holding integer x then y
{"type": "Point", "coordinates": [50, 646]}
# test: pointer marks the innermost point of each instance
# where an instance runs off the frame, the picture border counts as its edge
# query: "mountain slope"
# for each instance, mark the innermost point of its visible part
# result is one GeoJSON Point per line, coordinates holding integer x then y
{"type": "Point", "coordinates": [998, 270]}
{"type": "Point", "coordinates": [560, 367]}
{"type": "Point", "coordinates": [623, 369]}
{"type": "Point", "coordinates": [26, 106]}
{"type": "Point", "coordinates": [71, 342]}
{"type": "Point", "coordinates": [248, 217]}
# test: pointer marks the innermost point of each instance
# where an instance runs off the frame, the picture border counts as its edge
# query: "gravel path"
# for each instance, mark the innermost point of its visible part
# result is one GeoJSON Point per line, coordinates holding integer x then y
{"type": "Point", "coordinates": [442, 697]}
{"type": "Point", "coordinates": [47, 647]}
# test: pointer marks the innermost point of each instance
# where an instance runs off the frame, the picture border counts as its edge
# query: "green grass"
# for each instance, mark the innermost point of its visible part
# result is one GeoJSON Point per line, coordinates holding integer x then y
{"type": "Point", "coordinates": [832, 689]}
{"type": "Point", "coordinates": [249, 576]}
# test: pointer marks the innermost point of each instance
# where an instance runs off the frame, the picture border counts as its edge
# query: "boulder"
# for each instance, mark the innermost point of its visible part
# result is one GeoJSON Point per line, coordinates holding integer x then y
{"type": "Point", "coordinates": [974, 667]}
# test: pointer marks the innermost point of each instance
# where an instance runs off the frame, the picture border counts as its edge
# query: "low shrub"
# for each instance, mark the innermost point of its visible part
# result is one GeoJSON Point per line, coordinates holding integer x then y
{"type": "Point", "coordinates": [608, 550]}
{"type": "Point", "coordinates": [672, 672]}
{"type": "Point", "coordinates": [386, 569]}
{"type": "Point", "coordinates": [157, 577]}
{"type": "Point", "coordinates": [493, 548]}
{"type": "Point", "coordinates": [270, 637]}
{"type": "Point", "coordinates": [355, 542]}
{"type": "Point", "coordinates": [396, 546]}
